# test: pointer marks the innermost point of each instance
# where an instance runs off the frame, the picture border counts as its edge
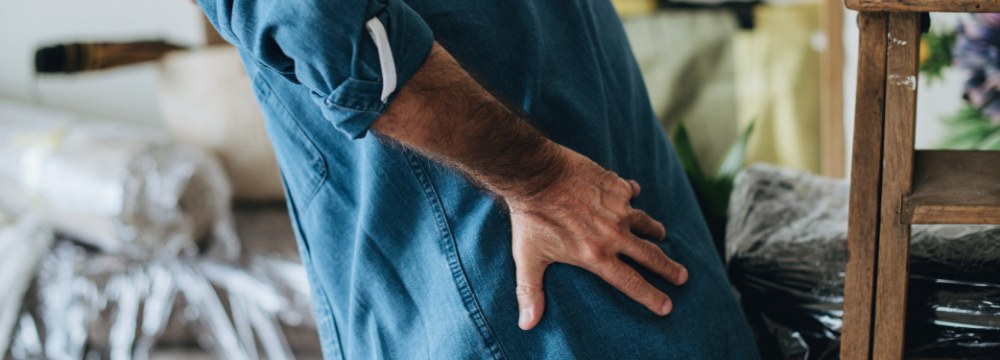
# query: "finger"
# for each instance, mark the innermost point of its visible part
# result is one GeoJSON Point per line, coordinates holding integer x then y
{"type": "Point", "coordinates": [530, 297]}
{"type": "Point", "coordinates": [652, 257]}
{"type": "Point", "coordinates": [643, 225]}
{"type": "Point", "coordinates": [628, 281]}
{"type": "Point", "coordinates": [634, 185]}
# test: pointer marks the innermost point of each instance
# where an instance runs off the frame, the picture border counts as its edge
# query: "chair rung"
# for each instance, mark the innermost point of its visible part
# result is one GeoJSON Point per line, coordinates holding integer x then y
{"type": "Point", "coordinates": [954, 187]}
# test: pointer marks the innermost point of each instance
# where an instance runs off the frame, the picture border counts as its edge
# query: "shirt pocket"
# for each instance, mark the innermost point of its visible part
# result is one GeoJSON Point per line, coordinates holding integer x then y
{"type": "Point", "coordinates": [302, 165]}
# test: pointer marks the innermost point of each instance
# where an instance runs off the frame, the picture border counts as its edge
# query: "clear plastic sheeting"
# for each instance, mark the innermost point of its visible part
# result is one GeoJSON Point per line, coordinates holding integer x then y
{"type": "Point", "coordinates": [121, 188]}
{"type": "Point", "coordinates": [24, 239]}
{"type": "Point", "coordinates": [786, 254]}
{"type": "Point", "coordinates": [89, 304]}
{"type": "Point", "coordinates": [150, 256]}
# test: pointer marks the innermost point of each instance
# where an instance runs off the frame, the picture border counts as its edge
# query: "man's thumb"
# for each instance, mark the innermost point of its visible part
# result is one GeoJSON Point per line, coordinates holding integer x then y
{"type": "Point", "coordinates": [530, 297]}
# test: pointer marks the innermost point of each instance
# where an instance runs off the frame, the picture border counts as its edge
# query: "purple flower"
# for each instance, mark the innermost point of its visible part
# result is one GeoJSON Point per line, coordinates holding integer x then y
{"type": "Point", "coordinates": [977, 49]}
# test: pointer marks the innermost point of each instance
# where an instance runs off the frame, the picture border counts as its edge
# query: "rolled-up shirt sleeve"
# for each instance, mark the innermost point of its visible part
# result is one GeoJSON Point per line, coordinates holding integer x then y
{"type": "Point", "coordinates": [353, 55]}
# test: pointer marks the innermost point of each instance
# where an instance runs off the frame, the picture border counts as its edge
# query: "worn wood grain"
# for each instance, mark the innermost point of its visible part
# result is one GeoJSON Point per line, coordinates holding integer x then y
{"type": "Point", "coordinates": [954, 187]}
{"type": "Point", "coordinates": [832, 91]}
{"type": "Point", "coordinates": [924, 5]}
{"type": "Point", "coordinates": [894, 236]}
{"type": "Point", "coordinates": [866, 180]}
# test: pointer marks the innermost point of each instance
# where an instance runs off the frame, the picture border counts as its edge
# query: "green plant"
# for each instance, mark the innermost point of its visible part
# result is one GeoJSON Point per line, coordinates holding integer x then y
{"type": "Point", "coordinates": [935, 53]}
{"type": "Point", "coordinates": [968, 129]}
{"type": "Point", "coordinates": [713, 190]}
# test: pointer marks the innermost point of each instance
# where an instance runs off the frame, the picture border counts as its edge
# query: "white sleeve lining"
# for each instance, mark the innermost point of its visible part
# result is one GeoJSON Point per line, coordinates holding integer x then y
{"type": "Point", "coordinates": [386, 62]}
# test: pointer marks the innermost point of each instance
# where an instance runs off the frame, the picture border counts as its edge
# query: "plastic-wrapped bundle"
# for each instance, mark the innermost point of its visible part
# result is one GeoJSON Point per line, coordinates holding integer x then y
{"type": "Point", "coordinates": [121, 188]}
{"type": "Point", "coordinates": [23, 241]}
{"type": "Point", "coordinates": [787, 250]}
{"type": "Point", "coordinates": [94, 305]}
{"type": "Point", "coordinates": [90, 304]}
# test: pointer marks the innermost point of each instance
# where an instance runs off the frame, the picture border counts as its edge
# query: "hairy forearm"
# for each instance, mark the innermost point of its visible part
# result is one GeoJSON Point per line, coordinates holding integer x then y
{"type": "Point", "coordinates": [443, 113]}
{"type": "Point", "coordinates": [563, 207]}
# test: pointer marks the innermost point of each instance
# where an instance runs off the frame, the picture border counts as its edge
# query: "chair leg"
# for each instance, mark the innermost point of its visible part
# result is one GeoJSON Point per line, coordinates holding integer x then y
{"type": "Point", "coordinates": [866, 181]}
{"type": "Point", "coordinates": [894, 244]}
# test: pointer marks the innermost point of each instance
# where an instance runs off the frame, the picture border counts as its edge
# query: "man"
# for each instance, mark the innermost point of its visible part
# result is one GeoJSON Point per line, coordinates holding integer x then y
{"type": "Point", "coordinates": [429, 202]}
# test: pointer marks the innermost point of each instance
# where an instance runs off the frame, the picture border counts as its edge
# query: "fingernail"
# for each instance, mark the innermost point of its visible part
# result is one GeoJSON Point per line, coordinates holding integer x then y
{"type": "Point", "coordinates": [682, 276]}
{"type": "Point", "coordinates": [524, 319]}
{"type": "Point", "coordinates": [667, 306]}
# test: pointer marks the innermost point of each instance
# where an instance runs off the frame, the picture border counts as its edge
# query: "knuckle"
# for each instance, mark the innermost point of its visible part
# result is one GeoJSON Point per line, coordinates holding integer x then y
{"type": "Point", "coordinates": [622, 210]}
{"type": "Point", "coordinates": [591, 253]}
{"type": "Point", "coordinates": [655, 258]}
{"type": "Point", "coordinates": [668, 268]}
{"type": "Point", "coordinates": [616, 184]}
{"type": "Point", "coordinates": [525, 290]}
{"type": "Point", "coordinates": [624, 188]}
{"type": "Point", "coordinates": [660, 260]}
{"type": "Point", "coordinates": [626, 220]}
{"type": "Point", "coordinates": [607, 226]}
{"type": "Point", "coordinates": [654, 253]}
{"type": "Point", "coordinates": [631, 284]}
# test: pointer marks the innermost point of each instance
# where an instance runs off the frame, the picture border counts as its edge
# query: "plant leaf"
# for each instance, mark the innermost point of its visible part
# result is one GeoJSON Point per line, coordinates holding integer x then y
{"type": "Point", "coordinates": [991, 141]}
{"type": "Point", "coordinates": [733, 161]}
{"type": "Point", "coordinates": [685, 153]}
{"type": "Point", "coordinates": [720, 186]}
{"type": "Point", "coordinates": [970, 130]}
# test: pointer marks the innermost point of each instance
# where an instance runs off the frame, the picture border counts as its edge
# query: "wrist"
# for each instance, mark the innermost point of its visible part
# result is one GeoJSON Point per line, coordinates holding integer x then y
{"type": "Point", "coordinates": [540, 171]}
{"type": "Point", "coordinates": [536, 188]}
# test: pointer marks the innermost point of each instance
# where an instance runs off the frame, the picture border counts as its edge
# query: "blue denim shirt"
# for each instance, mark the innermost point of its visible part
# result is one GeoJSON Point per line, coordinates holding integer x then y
{"type": "Point", "coordinates": [406, 258]}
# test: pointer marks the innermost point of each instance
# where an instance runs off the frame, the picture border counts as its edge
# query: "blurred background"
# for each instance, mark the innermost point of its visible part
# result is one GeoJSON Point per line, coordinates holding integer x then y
{"type": "Point", "coordinates": [142, 215]}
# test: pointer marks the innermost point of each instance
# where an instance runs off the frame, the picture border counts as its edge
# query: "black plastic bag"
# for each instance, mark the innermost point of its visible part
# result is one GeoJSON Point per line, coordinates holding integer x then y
{"type": "Point", "coordinates": [786, 253]}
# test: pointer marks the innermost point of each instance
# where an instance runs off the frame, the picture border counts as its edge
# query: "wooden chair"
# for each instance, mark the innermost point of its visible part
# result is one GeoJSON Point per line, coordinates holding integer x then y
{"type": "Point", "coordinates": [894, 186]}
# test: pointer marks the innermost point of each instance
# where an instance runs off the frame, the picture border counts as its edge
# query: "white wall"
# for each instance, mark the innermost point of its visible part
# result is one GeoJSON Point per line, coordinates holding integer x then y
{"type": "Point", "coordinates": [127, 94]}
{"type": "Point", "coordinates": [941, 99]}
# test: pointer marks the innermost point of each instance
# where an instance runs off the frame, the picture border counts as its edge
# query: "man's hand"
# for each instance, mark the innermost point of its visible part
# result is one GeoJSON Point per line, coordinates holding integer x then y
{"type": "Point", "coordinates": [564, 207]}
{"type": "Point", "coordinates": [584, 219]}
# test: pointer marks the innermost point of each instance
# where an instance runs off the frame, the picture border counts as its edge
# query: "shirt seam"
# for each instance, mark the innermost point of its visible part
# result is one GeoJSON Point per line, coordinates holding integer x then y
{"type": "Point", "coordinates": [454, 261]}
{"type": "Point", "coordinates": [312, 145]}
{"type": "Point", "coordinates": [330, 325]}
